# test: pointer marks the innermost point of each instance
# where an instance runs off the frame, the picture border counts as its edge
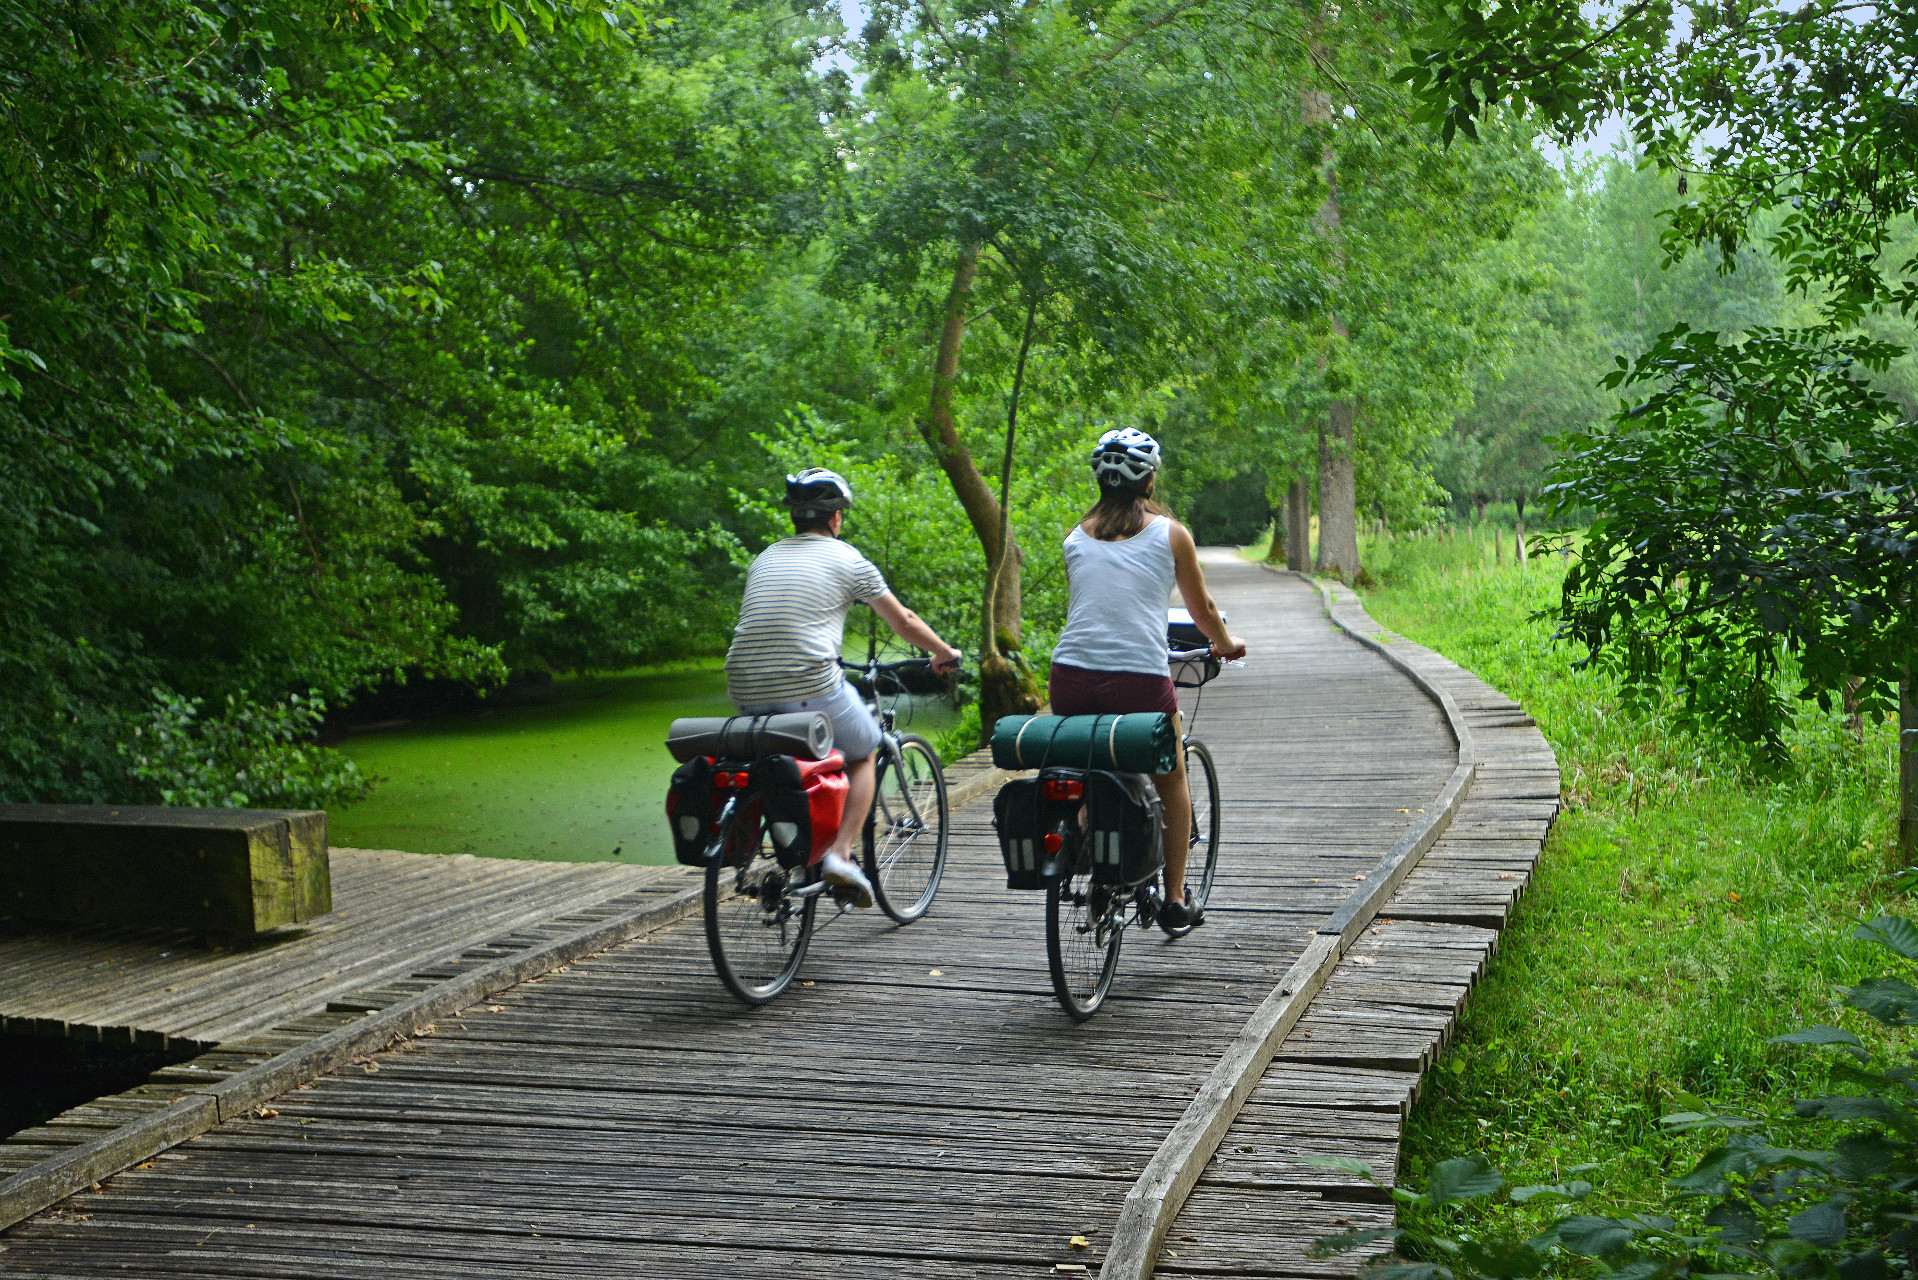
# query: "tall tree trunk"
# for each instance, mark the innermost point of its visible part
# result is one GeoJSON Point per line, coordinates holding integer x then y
{"type": "Point", "coordinates": [1338, 480]}
{"type": "Point", "coordinates": [1908, 770]}
{"type": "Point", "coordinates": [1005, 686]}
{"type": "Point", "coordinates": [1338, 495]}
{"type": "Point", "coordinates": [1298, 517]}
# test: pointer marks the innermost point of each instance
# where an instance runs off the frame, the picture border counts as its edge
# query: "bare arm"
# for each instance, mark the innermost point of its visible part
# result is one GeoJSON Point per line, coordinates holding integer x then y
{"type": "Point", "coordinates": [1198, 601]}
{"type": "Point", "coordinates": [906, 625]}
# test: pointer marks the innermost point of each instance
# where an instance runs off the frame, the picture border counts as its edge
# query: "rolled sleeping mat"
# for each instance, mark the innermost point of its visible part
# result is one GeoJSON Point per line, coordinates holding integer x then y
{"type": "Point", "coordinates": [1138, 743]}
{"type": "Point", "coordinates": [806, 735]}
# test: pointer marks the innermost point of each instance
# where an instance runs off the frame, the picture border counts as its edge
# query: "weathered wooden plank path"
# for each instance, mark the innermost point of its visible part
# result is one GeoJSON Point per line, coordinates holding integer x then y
{"type": "Point", "coordinates": [919, 1106]}
{"type": "Point", "coordinates": [394, 913]}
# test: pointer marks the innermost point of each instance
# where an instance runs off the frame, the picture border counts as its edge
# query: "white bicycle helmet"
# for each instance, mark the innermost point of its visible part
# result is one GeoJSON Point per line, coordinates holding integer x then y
{"type": "Point", "coordinates": [1125, 456]}
{"type": "Point", "coordinates": [817, 489]}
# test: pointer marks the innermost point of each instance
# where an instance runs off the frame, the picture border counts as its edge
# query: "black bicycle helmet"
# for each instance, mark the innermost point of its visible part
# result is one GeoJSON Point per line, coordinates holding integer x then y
{"type": "Point", "coordinates": [817, 489]}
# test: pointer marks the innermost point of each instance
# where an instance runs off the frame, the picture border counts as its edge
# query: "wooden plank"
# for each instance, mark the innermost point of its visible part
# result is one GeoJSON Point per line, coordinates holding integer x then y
{"type": "Point", "coordinates": [234, 872]}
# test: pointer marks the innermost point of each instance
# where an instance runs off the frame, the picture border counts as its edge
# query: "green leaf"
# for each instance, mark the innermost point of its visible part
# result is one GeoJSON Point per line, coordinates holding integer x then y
{"type": "Point", "coordinates": [1817, 1035]}
{"type": "Point", "coordinates": [1552, 1193]}
{"type": "Point", "coordinates": [1736, 1222]}
{"type": "Point", "coordinates": [1594, 1237]}
{"type": "Point", "coordinates": [1891, 1001]}
{"type": "Point", "coordinates": [1822, 1225]}
{"type": "Point", "coordinates": [1503, 1259]}
{"type": "Point", "coordinates": [1895, 932]}
{"type": "Point", "coordinates": [1467, 1178]}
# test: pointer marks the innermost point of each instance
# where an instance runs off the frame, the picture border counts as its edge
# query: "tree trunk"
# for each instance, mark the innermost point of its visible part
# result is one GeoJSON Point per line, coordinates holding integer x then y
{"type": "Point", "coordinates": [1338, 494]}
{"type": "Point", "coordinates": [1338, 483]}
{"type": "Point", "coordinates": [1298, 515]}
{"type": "Point", "coordinates": [1908, 770]}
{"type": "Point", "coordinates": [1006, 685]}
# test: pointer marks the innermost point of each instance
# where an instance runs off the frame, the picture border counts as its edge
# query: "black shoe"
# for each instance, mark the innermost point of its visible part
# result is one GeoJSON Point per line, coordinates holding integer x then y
{"type": "Point", "coordinates": [1181, 915]}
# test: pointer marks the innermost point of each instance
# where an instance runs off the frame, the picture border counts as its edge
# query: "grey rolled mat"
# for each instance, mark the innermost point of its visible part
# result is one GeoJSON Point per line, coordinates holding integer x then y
{"type": "Point", "coordinates": [805, 734]}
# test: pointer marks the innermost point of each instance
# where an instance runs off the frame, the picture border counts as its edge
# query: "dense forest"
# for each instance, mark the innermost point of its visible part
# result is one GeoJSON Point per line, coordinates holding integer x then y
{"type": "Point", "coordinates": [345, 345]}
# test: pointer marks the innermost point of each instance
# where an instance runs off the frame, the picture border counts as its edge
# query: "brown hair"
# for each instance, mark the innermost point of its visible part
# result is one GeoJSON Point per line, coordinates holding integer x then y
{"type": "Point", "coordinates": [1122, 510]}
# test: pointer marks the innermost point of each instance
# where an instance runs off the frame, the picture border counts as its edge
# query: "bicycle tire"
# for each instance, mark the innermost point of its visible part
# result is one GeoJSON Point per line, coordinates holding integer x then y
{"type": "Point", "coordinates": [1078, 912]}
{"type": "Point", "coordinates": [910, 802]}
{"type": "Point", "coordinates": [1202, 784]}
{"type": "Point", "coordinates": [755, 931]}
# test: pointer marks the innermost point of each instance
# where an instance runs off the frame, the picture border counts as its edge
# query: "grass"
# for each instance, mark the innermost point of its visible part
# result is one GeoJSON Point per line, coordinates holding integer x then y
{"type": "Point", "coordinates": [1686, 909]}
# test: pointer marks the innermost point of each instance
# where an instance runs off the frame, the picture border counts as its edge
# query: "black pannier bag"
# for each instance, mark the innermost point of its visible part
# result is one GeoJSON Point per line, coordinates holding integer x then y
{"type": "Point", "coordinates": [1024, 816]}
{"type": "Point", "coordinates": [1124, 828]}
{"type": "Point", "coordinates": [693, 801]}
{"type": "Point", "coordinates": [690, 810]}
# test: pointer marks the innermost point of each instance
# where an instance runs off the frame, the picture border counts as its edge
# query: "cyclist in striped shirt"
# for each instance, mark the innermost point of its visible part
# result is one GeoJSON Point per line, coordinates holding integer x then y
{"type": "Point", "coordinates": [792, 623]}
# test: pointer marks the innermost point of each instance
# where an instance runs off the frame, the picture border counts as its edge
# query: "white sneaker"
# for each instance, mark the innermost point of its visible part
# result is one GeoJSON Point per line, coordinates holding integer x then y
{"type": "Point", "coordinates": [842, 874]}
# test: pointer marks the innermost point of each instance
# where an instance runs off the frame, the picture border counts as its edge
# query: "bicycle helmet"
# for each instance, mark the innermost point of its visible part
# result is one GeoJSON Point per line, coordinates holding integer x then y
{"type": "Point", "coordinates": [1125, 456]}
{"type": "Point", "coordinates": [817, 489]}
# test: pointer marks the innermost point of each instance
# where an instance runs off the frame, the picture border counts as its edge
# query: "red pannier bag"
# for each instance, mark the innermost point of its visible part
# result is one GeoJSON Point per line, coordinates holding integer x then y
{"type": "Point", "coordinates": [804, 801]}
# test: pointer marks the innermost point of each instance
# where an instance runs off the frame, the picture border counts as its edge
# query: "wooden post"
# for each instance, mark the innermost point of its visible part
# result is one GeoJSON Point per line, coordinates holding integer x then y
{"type": "Point", "coordinates": [1908, 769]}
{"type": "Point", "coordinates": [234, 872]}
{"type": "Point", "coordinates": [1498, 546]}
{"type": "Point", "coordinates": [1518, 545]}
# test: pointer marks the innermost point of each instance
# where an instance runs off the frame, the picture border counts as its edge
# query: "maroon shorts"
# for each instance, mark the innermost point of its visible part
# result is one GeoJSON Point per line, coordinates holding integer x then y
{"type": "Point", "coordinates": [1078, 692]}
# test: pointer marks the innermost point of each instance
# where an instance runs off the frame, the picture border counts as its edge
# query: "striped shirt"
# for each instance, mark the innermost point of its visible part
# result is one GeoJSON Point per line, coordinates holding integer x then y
{"type": "Point", "coordinates": [792, 621]}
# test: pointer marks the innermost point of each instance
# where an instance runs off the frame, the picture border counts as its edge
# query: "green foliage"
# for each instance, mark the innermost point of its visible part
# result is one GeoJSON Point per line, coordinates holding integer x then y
{"type": "Point", "coordinates": [1833, 1201]}
{"type": "Point", "coordinates": [249, 755]}
{"type": "Point", "coordinates": [1687, 909]}
{"type": "Point", "coordinates": [1759, 504]}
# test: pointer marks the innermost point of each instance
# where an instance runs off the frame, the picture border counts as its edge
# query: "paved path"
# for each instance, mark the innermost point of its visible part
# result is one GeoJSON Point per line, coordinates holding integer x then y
{"type": "Point", "coordinates": [919, 1106]}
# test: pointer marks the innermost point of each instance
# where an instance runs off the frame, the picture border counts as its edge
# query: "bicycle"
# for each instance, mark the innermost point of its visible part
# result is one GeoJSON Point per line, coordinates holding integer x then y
{"type": "Point", "coordinates": [760, 912]}
{"type": "Point", "coordinates": [1086, 917]}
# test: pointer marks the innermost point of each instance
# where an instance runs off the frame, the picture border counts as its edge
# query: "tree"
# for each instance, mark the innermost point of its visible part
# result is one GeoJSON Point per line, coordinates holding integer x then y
{"type": "Point", "coordinates": [1797, 124]}
{"type": "Point", "coordinates": [1072, 177]}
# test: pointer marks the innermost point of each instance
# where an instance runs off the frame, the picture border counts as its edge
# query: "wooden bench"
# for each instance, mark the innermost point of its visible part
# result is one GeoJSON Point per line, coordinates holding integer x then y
{"type": "Point", "coordinates": [232, 872]}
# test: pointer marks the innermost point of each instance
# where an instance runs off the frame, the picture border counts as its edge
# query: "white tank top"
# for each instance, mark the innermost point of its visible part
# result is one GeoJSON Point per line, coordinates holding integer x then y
{"type": "Point", "coordinates": [1116, 621]}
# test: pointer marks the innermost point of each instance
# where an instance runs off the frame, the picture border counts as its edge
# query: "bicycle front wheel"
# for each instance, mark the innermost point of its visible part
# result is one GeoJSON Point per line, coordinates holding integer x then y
{"type": "Point", "coordinates": [1084, 926]}
{"type": "Point", "coordinates": [756, 930]}
{"type": "Point", "coordinates": [906, 833]}
{"type": "Point", "coordinates": [1202, 853]}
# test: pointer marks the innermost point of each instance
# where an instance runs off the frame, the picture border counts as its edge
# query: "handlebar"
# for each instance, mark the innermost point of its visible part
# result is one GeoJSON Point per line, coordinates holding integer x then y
{"type": "Point", "coordinates": [1185, 655]}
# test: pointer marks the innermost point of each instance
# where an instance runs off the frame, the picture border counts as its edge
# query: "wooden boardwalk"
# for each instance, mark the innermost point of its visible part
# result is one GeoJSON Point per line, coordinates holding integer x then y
{"type": "Point", "coordinates": [393, 913]}
{"type": "Point", "coordinates": [919, 1106]}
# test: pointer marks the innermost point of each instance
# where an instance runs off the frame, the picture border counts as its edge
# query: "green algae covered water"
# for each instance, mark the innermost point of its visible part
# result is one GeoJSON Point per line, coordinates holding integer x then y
{"type": "Point", "coordinates": [575, 772]}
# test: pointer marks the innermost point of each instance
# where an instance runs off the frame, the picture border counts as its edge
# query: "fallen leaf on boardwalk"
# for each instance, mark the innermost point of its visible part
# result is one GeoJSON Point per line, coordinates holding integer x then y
{"type": "Point", "coordinates": [371, 1067]}
{"type": "Point", "coordinates": [805, 982]}
{"type": "Point", "coordinates": [1364, 960]}
{"type": "Point", "coordinates": [1358, 877]}
{"type": "Point", "coordinates": [935, 973]}
{"type": "Point", "coordinates": [1405, 811]}
{"type": "Point", "coordinates": [266, 1113]}
{"type": "Point", "coordinates": [1193, 1239]}
{"type": "Point", "coordinates": [496, 1008]}
{"type": "Point", "coordinates": [1078, 1242]}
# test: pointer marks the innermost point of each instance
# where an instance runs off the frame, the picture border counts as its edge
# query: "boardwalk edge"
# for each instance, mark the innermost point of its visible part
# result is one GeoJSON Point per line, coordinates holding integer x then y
{"type": "Point", "coordinates": [1155, 1199]}
{"type": "Point", "coordinates": [45, 1184]}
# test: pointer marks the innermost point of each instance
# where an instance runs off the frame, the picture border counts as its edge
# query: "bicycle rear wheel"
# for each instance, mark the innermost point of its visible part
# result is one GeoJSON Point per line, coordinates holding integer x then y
{"type": "Point", "coordinates": [1084, 925]}
{"type": "Point", "coordinates": [906, 833]}
{"type": "Point", "coordinates": [1202, 854]}
{"type": "Point", "coordinates": [756, 930]}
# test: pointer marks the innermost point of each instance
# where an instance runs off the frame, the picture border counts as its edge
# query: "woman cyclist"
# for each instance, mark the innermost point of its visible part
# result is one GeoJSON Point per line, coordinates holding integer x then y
{"type": "Point", "coordinates": [1122, 561]}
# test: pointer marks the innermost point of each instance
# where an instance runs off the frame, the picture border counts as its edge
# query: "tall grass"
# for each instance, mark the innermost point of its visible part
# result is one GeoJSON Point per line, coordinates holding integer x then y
{"type": "Point", "coordinates": [1687, 908]}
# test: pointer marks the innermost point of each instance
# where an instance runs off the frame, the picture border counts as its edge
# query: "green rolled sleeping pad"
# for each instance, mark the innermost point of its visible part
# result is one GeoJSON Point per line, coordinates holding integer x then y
{"type": "Point", "coordinates": [1137, 743]}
